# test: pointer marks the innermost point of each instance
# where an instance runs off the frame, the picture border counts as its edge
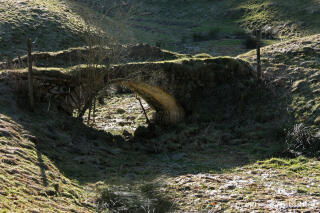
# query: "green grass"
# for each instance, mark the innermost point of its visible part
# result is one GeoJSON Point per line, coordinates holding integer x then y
{"type": "Point", "coordinates": [52, 23]}
{"type": "Point", "coordinates": [300, 66]}
{"type": "Point", "coordinates": [231, 142]}
{"type": "Point", "coordinates": [60, 24]}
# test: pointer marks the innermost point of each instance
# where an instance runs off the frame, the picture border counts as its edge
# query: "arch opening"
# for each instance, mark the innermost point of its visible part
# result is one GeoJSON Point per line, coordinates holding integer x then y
{"type": "Point", "coordinates": [121, 113]}
{"type": "Point", "coordinates": [167, 108]}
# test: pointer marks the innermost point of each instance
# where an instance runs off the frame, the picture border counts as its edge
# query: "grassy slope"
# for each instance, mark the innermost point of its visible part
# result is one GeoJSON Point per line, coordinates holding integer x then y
{"type": "Point", "coordinates": [230, 160]}
{"type": "Point", "coordinates": [164, 20]}
{"type": "Point", "coordinates": [58, 24]}
{"type": "Point", "coordinates": [224, 162]}
{"type": "Point", "coordinates": [30, 181]}
{"type": "Point", "coordinates": [233, 164]}
{"type": "Point", "coordinates": [223, 172]}
{"type": "Point", "coordinates": [295, 63]}
{"type": "Point", "coordinates": [53, 23]}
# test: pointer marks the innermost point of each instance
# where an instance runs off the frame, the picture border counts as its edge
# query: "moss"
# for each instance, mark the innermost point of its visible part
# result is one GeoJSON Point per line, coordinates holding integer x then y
{"type": "Point", "coordinates": [202, 55]}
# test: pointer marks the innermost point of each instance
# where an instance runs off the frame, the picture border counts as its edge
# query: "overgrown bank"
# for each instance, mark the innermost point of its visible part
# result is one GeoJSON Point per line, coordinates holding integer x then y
{"type": "Point", "coordinates": [229, 159]}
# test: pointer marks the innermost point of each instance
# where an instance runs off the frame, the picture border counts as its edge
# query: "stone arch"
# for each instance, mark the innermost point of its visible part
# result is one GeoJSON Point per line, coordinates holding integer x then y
{"type": "Point", "coordinates": [173, 88]}
{"type": "Point", "coordinates": [168, 110]}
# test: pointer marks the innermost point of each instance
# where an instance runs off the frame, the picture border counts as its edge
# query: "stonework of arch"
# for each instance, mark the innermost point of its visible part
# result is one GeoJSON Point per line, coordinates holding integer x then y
{"type": "Point", "coordinates": [172, 88]}
{"type": "Point", "coordinates": [165, 104]}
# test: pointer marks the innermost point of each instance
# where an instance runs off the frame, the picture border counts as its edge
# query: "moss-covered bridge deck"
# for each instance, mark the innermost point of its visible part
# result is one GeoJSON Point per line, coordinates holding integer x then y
{"type": "Point", "coordinates": [171, 87]}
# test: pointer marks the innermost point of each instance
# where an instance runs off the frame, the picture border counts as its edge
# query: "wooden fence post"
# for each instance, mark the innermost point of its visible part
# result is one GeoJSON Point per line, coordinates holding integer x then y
{"type": "Point", "coordinates": [30, 76]}
{"type": "Point", "coordinates": [259, 72]}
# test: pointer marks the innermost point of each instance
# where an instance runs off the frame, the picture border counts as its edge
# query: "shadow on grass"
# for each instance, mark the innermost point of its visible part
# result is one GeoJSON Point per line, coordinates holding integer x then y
{"type": "Point", "coordinates": [42, 168]}
{"type": "Point", "coordinates": [221, 136]}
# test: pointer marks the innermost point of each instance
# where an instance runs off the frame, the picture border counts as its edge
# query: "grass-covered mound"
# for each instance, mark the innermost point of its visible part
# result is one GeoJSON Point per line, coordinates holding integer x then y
{"type": "Point", "coordinates": [217, 27]}
{"type": "Point", "coordinates": [205, 20]}
{"type": "Point", "coordinates": [52, 24]}
{"type": "Point", "coordinates": [53, 163]}
{"type": "Point", "coordinates": [187, 26]}
{"type": "Point", "coordinates": [30, 180]}
{"type": "Point", "coordinates": [295, 65]}
{"type": "Point", "coordinates": [227, 157]}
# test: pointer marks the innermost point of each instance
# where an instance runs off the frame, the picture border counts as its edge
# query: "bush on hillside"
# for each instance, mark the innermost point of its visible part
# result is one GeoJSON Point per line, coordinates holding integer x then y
{"type": "Point", "coordinates": [300, 141]}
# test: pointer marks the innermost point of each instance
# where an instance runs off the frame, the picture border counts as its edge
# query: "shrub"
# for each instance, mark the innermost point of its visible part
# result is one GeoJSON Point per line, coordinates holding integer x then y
{"type": "Point", "coordinates": [300, 141]}
{"type": "Point", "coordinates": [108, 200]}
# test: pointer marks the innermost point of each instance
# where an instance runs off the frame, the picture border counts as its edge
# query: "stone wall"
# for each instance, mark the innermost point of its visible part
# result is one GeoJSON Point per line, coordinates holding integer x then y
{"type": "Point", "coordinates": [172, 88]}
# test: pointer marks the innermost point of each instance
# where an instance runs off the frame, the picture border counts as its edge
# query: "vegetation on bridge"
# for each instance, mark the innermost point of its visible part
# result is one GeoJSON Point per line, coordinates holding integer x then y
{"type": "Point", "coordinates": [244, 145]}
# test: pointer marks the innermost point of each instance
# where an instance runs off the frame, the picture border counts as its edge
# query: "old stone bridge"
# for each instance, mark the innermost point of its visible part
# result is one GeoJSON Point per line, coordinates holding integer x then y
{"type": "Point", "coordinates": [171, 87]}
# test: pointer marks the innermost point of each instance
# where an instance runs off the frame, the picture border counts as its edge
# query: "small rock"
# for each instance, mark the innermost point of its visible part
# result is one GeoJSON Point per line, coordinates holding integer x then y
{"type": "Point", "coordinates": [234, 195]}
{"type": "Point", "coordinates": [211, 187]}
{"type": "Point", "coordinates": [253, 172]}
{"type": "Point", "coordinates": [231, 187]}
{"type": "Point", "coordinates": [317, 121]}
{"type": "Point", "coordinates": [120, 111]}
{"type": "Point", "coordinates": [223, 199]}
{"type": "Point", "coordinates": [228, 187]}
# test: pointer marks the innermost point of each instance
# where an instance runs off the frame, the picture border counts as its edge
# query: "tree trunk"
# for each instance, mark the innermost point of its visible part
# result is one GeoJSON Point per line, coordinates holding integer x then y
{"type": "Point", "coordinates": [94, 109]}
{"type": "Point", "coordinates": [30, 76]}
{"type": "Point", "coordinates": [144, 111]}
{"type": "Point", "coordinates": [259, 72]}
{"type": "Point", "coordinates": [89, 114]}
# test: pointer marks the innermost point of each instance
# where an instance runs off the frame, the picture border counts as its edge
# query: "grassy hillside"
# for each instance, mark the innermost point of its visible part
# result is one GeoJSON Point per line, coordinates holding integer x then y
{"type": "Point", "coordinates": [215, 27]}
{"type": "Point", "coordinates": [51, 23]}
{"type": "Point", "coordinates": [227, 160]}
{"type": "Point", "coordinates": [30, 180]}
{"type": "Point", "coordinates": [296, 65]}
{"type": "Point", "coordinates": [177, 23]}
{"type": "Point", "coordinates": [234, 153]}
